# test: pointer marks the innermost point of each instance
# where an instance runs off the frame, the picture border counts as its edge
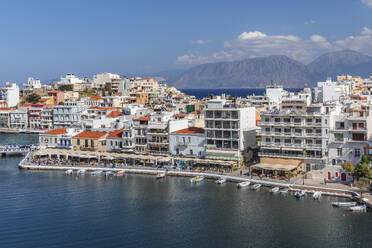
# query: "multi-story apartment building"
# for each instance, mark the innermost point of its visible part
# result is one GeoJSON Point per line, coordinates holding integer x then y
{"type": "Point", "coordinates": [18, 119]}
{"type": "Point", "coordinates": [140, 126]}
{"type": "Point", "coordinates": [349, 136]}
{"type": "Point", "coordinates": [10, 94]}
{"type": "Point", "coordinates": [34, 116]}
{"type": "Point", "coordinates": [47, 118]}
{"type": "Point", "coordinates": [128, 137]}
{"type": "Point", "coordinates": [298, 135]}
{"type": "Point", "coordinates": [5, 117]}
{"type": "Point", "coordinates": [230, 130]}
{"type": "Point", "coordinates": [157, 138]}
{"type": "Point", "coordinates": [68, 115]}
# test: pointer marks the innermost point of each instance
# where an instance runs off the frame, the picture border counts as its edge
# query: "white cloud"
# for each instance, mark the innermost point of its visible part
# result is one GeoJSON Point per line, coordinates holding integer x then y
{"type": "Point", "coordinates": [310, 22]}
{"type": "Point", "coordinates": [259, 44]}
{"type": "Point", "coordinates": [367, 2]}
{"type": "Point", "coordinates": [366, 31]}
{"type": "Point", "coordinates": [200, 42]}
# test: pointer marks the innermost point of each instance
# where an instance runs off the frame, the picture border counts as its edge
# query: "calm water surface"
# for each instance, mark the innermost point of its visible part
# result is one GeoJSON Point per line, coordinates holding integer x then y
{"type": "Point", "coordinates": [51, 209]}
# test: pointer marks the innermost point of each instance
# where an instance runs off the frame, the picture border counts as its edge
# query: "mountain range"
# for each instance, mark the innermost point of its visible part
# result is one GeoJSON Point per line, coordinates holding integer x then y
{"type": "Point", "coordinates": [259, 72]}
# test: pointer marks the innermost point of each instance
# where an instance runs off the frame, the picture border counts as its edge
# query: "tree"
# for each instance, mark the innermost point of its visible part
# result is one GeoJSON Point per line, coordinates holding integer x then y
{"type": "Point", "coordinates": [348, 167]}
{"type": "Point", "coordinates": [366, 159]}
{"type": "Point", "coordinates": [33, 98]}
{"type": "Point", "coordinates": [66, 87]}
{"type": "Point", "coordinates": [361, 170]}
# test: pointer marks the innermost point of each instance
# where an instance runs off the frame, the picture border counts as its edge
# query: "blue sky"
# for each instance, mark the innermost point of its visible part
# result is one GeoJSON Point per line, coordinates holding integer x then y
{"type": "Point", "coordinates": [47, 39]}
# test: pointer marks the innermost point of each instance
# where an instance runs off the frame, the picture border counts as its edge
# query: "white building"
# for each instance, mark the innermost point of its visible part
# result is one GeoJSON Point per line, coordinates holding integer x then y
{"type": "Point", "coordinates": [31, 84]}
{"type": "Point", "coordinates": [18, 119]}
{"type": "Point", "coordinates": [330, 91]}
{"type": "Point", "coordinates": [188, 142]}
{"type": "Point", "coordinates": [230, 130]}
{"type": "Point", "coordinates": [100, 80]}
{"type": "Point", "coordinates": [10, 94]}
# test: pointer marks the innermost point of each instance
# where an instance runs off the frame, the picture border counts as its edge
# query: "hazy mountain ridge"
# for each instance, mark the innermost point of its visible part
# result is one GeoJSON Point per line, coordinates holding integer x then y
{"type": "Point", "coordinates": [258, 72]}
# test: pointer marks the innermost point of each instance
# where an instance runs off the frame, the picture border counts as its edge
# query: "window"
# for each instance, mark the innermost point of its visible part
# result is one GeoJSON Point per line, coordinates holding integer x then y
{"type": "Point", "coordinates": [268, 140]}
{"type": "Point", "coordinates": [183, 140]}
{"type": "Point", "coordinates": [191, 152]}
{"type": "Point", "coordinates": [92, 143]}
{"type": "Point", "coordinates": [339, 151]}
{"type": "Point", "coordinates": [356, 153]}
{"type": "Point", "coordinates": [78, 142]}
{"type": "Point", "coordinates": [189, 139]}
{"type": "Point", "coordinates": [86, 143]}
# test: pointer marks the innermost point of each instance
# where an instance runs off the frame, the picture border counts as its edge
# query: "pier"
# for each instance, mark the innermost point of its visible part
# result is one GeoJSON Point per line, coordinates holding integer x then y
{"type": "Point", "coordinates": [12, 150]}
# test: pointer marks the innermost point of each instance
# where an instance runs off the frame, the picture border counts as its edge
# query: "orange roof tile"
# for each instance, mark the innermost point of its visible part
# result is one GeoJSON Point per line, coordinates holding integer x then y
{"type": "Point", "coordinates": [142, 119]}
{"type": "Point", "coordinates": [117, 134]}
{"type": "Point", "coordinates": [108, 108]}
{"type": "Point", "coordinates": [354, 96]}
{"type": "Point", "coordinates": [114, 114]}
{"type": "Point", "coordinates": [53, 91]}
{"type": "Point", "coordinates": [190, 130]}
{"type": "Point", "coordinates": [179, 115]}
{"type": "Point", "coordinates": [90, 134]}
{"type": "Point", "coordinates": [5, 108]}
{"type": "Point", "coordinates": [56, 131]}
{"type": "Point", "coordinates": [96, 98]}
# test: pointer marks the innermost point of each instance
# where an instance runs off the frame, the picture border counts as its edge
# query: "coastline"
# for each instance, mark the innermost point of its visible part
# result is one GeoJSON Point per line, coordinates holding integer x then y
{"type": "Point", "coordinates": [350, 194]}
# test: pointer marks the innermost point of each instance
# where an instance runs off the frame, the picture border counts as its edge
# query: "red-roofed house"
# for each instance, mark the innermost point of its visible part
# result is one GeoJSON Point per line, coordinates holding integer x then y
{"type": "Point", "coordinates": [90, 141]}
{"type": "Point", "coordinates": [115, 141]}
{"type": "Point", "coordinates": [114, 114]}
{"type": "Point", "coordinates": [51, 138]}
{"type": "Point", "coordinates": [187, 142]}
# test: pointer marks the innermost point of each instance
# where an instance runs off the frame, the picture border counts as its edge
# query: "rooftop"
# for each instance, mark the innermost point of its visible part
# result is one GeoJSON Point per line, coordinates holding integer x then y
{"type": "Point", "coordinates": [56, 131]}
{"type": "Point", "coordinates": [190, 130]}
{"type": "Point", "coordinates": [90, 134]}
{"type": "Point", "coordinates": [117, 134]}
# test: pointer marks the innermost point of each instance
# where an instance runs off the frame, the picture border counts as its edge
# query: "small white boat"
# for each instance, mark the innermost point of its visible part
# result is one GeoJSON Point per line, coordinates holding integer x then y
{"type": "Point", "coordinates": [274, 190]}
{"type": "Point", "coordinates": [256, 186]}
{"type": "Point", "coordinates": [243, 184]}
{"type": "Point", "coordinates": [344, 204]}
{"type": "Point", "coordinates": [361, 208]}
{"type": "Point", "coordinates": [69, 172]}
{"type": "Point", "coordinates": [222, 180]}
{"type": "Point", "coordinates": [119, 173]}
{"type": "Point", "coordinates": [284, 191]}
{"type": "Point", "coordinates": [317, 195]}
{"type": "Point", "coordinates": [109, 173]}
{"type": "Point", "coordinates": [300, 194]}
{"type": "Point", "coordinates": [95, 173]}
{"type": "Point", "coordinates": [197, 179]}
{"type": "Point", "coordinates": [160, 175]}
{"type": "Point", "coordinates": [81, 172]}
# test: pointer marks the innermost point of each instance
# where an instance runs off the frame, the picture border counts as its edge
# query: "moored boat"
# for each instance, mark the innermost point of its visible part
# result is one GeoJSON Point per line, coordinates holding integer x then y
{"type": "Point", "coordinates": [69, 172]}
{"type": "Point", "coordinates": [243, 184]}
{"type": "Point", "coordinates": [274, 190]}
{"type": "Point", "coordinates": [119, 173]}
{"type": "Point", "coordinates": [97, 172]}
{"type": "Point", "coordinates": [160, 175]}
{"type": "Point", "coordinates": [81, 172]}
{"type": "Point", "coordinates": [256, 186]}
{"type": "Point", "coordinates": [361, 208]}
{"type": "Point", "coordinates": [344, 204]}
{"type": "Point", "coordinates": [222, 180]}
{"type": "Point", "coordinates": [109, 173]}
{"type": "Point", "coordinates": [300, 194]}
{"type": "Point", "coordinates": [317, 195]}
{"type": "Point", "coordinates": [284, 191]}
{"type": "Point", "coordinates": [197, 179]}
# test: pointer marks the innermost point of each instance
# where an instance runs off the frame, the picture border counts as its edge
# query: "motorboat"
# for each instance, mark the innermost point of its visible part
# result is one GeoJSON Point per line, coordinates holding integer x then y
{"type": "Point", "coordinates": [256, 186]}
{"type": "Point", "coordinates": [109, 173]}
{"type": "Point", "coordinates": [81, 172]}
{"type": "Point", "coordinates": [284, 191]}
{"type": "Point", "coordinates": [95, 173]}
{"type": "Point", "coordinates": [119, 173]}
{"type": "Point", "coordinates": [222, 180]}
{"type": "Point", "coordinates": [69, 172]}
{"type": "Point", "coordinates": [274, 190]}
{"type": "Point", "coordinates": [317, 195]}
{"type": "Point", "coordinates": [344, 204]}
{"type": "Point", "coordinates": [243, 184]}
{"type": "Point", "coordinates": [300, 194]}
{"type": "Point", "coordinates": [361, 208]}
{"type": "Point", "coordinates": [197, 179]}
{"type": "Point", "coordinates": [160, 175]}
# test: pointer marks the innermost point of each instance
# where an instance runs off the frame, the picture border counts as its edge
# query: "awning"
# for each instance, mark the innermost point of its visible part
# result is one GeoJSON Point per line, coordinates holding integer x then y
{"type": "Point", "coordinates": [275, 167]}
